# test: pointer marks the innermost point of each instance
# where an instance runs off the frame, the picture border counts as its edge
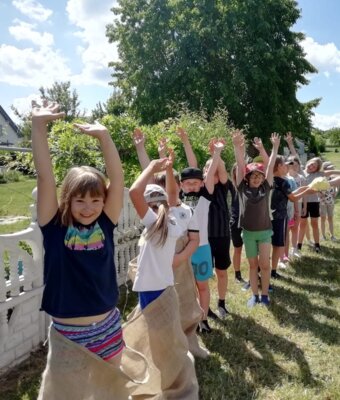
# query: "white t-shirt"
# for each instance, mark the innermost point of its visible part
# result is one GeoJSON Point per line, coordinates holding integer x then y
{"type": "Point", "coordinates": [185, 218]}
{"type": "Point", "coordinates": [154, 263]}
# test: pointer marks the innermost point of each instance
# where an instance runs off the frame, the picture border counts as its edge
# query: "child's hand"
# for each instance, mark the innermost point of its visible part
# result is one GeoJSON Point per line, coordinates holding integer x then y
{"type": "Point", "coordinates": [162, 147]}
{"type": "Point", "coordinates": [275, 139]}
{"type": "Point", "coordinates": [171, 157]}
{"type": "Point", "coordinates": [289, 137]}
{"type": "Point", "coordinates": [138, 137]}
{"type": "Point", "coordinates": [257, 143]}
{"type": "Point", "coordinates": [159, 165]}
{"type": "Point", "coordinates": [219, 146]}
{"type": "Point", "coordinates": [182, 134]}
{"type": "Point", "coordinates": [47, 112]}
{"type": "Point", "coordinates": [95, 130]}
{"type": "Point", "coordinates": [237, 138]}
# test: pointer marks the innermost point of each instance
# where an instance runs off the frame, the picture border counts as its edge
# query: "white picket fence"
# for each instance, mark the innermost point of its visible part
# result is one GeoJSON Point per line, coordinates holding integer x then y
{"type": "Point", "coordinates": [22, 325]}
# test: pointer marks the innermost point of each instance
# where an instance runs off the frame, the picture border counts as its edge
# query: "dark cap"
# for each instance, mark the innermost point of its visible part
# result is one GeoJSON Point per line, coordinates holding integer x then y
{"type": "Point", "coordinates": [191, 173]}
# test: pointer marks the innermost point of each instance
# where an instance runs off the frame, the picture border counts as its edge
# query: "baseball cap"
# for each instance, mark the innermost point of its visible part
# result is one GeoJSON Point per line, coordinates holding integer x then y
{"type": "Point", "coordinates": [191, 173]}
{"type": "Point", "coordinates": [252, 167]}
{"type": "Point", "coordinates": [154, 193]}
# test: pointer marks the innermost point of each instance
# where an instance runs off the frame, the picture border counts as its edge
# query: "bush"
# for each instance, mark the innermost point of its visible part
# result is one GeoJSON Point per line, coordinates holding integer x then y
{"type": "Point", "coordinates": [9, 176]}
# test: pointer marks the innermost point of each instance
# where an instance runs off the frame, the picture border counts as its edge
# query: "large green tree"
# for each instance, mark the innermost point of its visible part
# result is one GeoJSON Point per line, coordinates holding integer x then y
{"type": "Point", "coordinates": [239, 54]}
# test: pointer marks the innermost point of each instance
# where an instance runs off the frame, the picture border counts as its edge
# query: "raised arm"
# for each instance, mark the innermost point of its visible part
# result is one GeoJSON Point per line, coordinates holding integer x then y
{"type": "Point", "coordinates": [139, 142]}
{"type": "Point", "coordinates": [212, 169]}
{"type": "Point", "coordinates": [191, 158]}
{"type": "Point", "coordinates": [113, 166]}
{"type": "Point", "coordinates": [47, 203]}
{"type": "Point", "coordinates": [290, 143]}
{"type": "Point", "coordinates": [275, 139]}
{"type": "Point", "coordinates": [221, 169]}
{"type": "Point", "coordinates": [239, 151]}
{"type": "Point", "coordinates": [138, 187]}
{"type": "Point", "coordinates": [170, 181]}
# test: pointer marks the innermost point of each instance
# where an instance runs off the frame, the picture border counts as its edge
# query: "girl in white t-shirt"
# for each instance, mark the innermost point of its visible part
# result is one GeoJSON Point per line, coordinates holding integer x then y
{"type": "Point", "coordinates": [156, 208]}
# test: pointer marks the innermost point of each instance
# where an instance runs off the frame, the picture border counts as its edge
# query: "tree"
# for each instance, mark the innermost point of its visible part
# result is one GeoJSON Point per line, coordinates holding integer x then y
{"type": "Point", "coordinates": [333, 136]}
{"type": "Point", "coordinates": [115, 105]}
{"type": "Point", "coordinates": [238, 54]}
{"type": "Point", "coordinates": [60, 92]}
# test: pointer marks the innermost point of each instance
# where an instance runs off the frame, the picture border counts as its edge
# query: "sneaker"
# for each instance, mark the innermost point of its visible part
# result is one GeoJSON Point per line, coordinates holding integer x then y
{"type": "Point", "coordinates": [223, 312]}
{"type": "Point", "coordinates": [246, 286]}
{"type": "Point", "coordinates": [317, 249]}
{"type": "Point", "coordinates": [275, 275]}
{"type": "Point", "coordinates": [296, 253]}
{"type": "Point", "coordinates": [285, 259]}
{"type": "Point", "coordinates": [212, 315]}
{"type": "Point", "coordinates": [323, 237]}
{"type": "Point", "coordinates": [310, 243]}
{"type": "Point", "coordinates": [239, 279]}
{"type": "Point", "coordinates": [204, 327]}
{"type": "Point", "coordinates": [334, 239]}
{"type": "Point", "coordinates": [282, 265]}
{"type": "Point", "coordinates": [253, 301]}
{"type": "Point", "coordinates": [265, 301]}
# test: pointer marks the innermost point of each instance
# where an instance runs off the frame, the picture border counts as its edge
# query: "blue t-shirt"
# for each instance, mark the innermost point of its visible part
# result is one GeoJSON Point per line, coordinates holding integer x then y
{"type": "Point", "coordinates": [281, 190]}
{"type": "Point", "coordinates": [79, 270]}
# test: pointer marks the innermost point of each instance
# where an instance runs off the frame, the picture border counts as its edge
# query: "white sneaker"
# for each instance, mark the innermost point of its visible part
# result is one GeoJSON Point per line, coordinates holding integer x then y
{"type": "Point", "coordinates": [222, 311]}
{"type": "Point", "coordinates": [296, 253]}
{"type": "Point", "coordinates": [282, 265]}
{"type": "Point", "coordinates": [334, 239]}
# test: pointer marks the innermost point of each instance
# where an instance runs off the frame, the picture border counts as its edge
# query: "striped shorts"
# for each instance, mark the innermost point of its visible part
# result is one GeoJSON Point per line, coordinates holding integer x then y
{"type": "Point", "coordinates": [103, 338]}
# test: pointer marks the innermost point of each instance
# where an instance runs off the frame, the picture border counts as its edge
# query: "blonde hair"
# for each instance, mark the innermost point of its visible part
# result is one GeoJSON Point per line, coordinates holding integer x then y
{"type": "Point", "coordinates": [79, 181]}
{"type": "Point", "coordinates": [317, 161]}
{"type": "Point", "coordinates": [159, 229]}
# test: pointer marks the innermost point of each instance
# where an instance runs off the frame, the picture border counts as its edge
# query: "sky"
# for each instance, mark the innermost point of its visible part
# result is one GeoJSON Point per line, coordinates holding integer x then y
{"type": "Point", "coordinates": [46, 41]}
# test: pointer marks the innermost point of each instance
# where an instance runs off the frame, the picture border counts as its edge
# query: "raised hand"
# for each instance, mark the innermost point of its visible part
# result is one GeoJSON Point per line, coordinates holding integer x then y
{"type": "Point", "coordinates": [182, 134]}
{"type": "Point", "coordinates": [257, 143]}
{"type": "Point", "coordinates": [138, 137]}
{"type": "Point", "coordinates": [288, 137]}
{"type": "Point", "coordinates": [237, 138]}
{"type": "Point", "coordinates": [160, 164]}
{"type": "Point", "coordinates": [162, 147]}
{"type": "Point", "coordinates": [95, 130]}
{"type": "Point", "coordinates": [47, 112]}
{"type": "Point", "coordinates": [275, 139]}
{"type": "Point", "coordinates": [218, 145]}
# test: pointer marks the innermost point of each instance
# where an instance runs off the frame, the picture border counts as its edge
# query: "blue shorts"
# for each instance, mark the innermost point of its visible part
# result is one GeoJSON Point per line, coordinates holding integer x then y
{"type": "Point", "coordinates": [201, 262]}
{"type": "Point", "coordinates": [148, 297]}
{"type": "Point", "coordinates": [279, 232]}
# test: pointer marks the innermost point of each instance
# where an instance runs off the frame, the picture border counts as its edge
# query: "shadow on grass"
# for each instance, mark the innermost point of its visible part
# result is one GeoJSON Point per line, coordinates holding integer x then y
{"type": "Point", "coordinates": [245, 360]}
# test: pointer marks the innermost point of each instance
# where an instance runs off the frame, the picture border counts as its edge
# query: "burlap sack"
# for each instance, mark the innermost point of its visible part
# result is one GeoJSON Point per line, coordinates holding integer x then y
{"type": "Point", "coordinates": [156, 332]}
{"type": "Point", "coordinates": [190, 310]}
{"type": "Point", "coordinates": [189, 307]}
{"type": "Point", "coordinates": [74, 373]}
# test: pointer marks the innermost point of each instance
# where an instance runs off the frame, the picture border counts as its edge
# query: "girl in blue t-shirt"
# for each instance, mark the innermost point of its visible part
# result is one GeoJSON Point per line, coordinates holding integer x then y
{"type": "Point", "coordinates": [80, 290]}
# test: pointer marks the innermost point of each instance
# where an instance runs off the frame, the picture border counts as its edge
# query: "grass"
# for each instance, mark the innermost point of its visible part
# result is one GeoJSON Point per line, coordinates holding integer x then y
{"type": "Point", "coordinates": [287, 352]}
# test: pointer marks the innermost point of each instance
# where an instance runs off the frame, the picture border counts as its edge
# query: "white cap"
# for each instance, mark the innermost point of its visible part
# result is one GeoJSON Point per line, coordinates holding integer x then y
{"type": "Point", "coordinates": [154, 193]}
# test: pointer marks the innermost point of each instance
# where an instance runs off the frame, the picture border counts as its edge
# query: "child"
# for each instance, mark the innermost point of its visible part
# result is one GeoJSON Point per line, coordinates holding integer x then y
{"type": "Point", "coordinates": [218, 220]}
{"type": "Point", "coordinates": [282, 192]}
{"type": "Point", "coordinates": [80, 290]}
{"type": "Point", "coordinates": [158, 241]}
{"type": "Point", "coordinates": [311, 203]}
{"type": "Point", "coordinates": [197, 195]}
{"type": "Point", "coordinates": [253, 186]}
{"type": "Point", "coordinates": [327, 198]}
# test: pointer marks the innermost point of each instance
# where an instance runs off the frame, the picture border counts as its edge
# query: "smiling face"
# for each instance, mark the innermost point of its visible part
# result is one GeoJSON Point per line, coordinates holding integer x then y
{"type": "Point", "coordinates": [312, 167]}
{"type": "Point", "coordinates": [255, 179]}
{"type": "Point", "coordinates": [86, 209]}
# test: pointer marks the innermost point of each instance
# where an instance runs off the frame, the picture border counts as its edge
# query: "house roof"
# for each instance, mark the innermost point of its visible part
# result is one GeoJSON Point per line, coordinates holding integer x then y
{"type": "Point", "coordinates": [8, 119]}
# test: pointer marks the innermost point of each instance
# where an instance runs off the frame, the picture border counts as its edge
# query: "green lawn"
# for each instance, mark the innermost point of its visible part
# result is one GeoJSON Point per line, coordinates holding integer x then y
{"type": "Point", "coordinates": [290, 351]}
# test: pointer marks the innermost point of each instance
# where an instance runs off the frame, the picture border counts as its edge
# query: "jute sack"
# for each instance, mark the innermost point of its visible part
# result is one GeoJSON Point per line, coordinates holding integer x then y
{"type": "Point", "coordinates": [190, 310]}
{"type": "Point", "coordinates": [156, 332]}
{"type": "Point", "coordinates": [74, 373]}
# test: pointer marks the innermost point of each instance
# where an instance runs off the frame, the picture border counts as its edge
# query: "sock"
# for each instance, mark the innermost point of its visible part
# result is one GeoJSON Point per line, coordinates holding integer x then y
{"type": "Point", "coordinates": [299, 245]}
{"type": "Point", "coordinates": [273, 273]}
{"type": "Point", "coordinates": [317, 245]}
{"type": "Point", "coordinates": [221, 303]}
{"type": "Point", "coordinates": [238, 274]}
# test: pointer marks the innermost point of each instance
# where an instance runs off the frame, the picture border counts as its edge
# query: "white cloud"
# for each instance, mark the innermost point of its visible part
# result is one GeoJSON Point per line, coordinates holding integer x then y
{"type": "Point", "coordinates": [23, 105]}
{"type": "Point", "coordinates": [25, 31]}
{"type": "Point", "coordinates": [325, 122]}
{"type": "Point", "coordinates": [32, 68]}
{"type": "Point", "coordinates": [325, 57]}
{"type": "Point", "coordinates": [33, 9]}
{"type": "Point", "coordinates": [91, 19]}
